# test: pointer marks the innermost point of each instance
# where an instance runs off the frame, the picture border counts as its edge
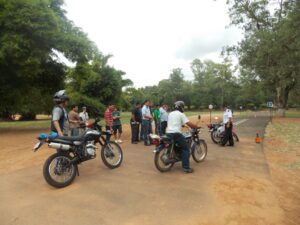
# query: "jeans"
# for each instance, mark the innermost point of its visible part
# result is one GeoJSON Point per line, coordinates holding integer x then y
{"type": "Point", "coordinates": [185, 152]}
{"type": "Point", "coordinates": [146, 126]}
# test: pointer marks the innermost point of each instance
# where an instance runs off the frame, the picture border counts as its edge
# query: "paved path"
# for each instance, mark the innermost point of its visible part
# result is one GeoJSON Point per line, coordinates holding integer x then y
{"type": "Point", "coordinates": [232, 186]}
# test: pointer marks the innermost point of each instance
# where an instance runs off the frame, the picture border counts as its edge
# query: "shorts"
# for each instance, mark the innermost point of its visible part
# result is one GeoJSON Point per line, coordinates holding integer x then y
{"type": "Point", "coordinates": [117, 128]}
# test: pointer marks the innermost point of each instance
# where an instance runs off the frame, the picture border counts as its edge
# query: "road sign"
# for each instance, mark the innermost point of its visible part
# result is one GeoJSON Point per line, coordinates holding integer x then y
{"type": "Point", "coordinates": [270, 104]}
{"type": "Point", "coordinates": [210, 106]}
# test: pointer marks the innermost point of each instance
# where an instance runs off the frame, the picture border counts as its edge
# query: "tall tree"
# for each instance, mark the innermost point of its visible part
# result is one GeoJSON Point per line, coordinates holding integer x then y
{"type": "Point", "coordinates": [271, 46]}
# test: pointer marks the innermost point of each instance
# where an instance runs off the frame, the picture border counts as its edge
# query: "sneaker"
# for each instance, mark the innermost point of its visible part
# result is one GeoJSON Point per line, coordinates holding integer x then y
{"type": "Point", "coordinates": [120, 141]}
{"type": "Point", "coordinates": [188, 170]}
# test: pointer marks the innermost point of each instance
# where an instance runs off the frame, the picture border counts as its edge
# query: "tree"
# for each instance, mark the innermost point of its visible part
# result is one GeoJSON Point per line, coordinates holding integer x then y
{"type": "Point", "coordinates": [271, 46]}
{"type": "Point", "coordinates": [32, 31]}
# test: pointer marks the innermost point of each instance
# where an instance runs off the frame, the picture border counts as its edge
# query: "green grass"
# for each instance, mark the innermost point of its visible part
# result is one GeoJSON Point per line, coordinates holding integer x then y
{"type": "Point", "coordinates": [292, 113]}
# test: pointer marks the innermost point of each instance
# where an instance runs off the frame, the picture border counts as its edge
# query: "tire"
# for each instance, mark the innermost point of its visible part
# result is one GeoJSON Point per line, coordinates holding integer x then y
{"type": "Point", "coordinates": [54, 169]}
{"type": "Point", "coordinates": [235, 137]}
{"type": "Point", "coordinates": [199, 152]}
{"type": "Point", "coordinates": [214, 137]}
{"type": "Point", "coordinates": [112, 155]}
{"type": "Point", "coordinates": [159, 164]}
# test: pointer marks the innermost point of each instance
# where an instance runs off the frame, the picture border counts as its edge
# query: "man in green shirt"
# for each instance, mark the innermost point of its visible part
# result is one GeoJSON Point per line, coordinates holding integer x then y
{"type": "Point", "coordinates": [117, 126]}
{"type": "Point", "coordinates": [156, 116]}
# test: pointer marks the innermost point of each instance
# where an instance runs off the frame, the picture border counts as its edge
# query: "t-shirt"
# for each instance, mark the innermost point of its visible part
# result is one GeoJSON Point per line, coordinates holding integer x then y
{"type": "Point", "coordinates": [227, 115]}
{"type": "Point", "coordinates": [57, 113]}
{"type": "Point", "coordinates": [73, 116]}
{"type": "Point", "coordinates": [136, 112]}
{"type": "Point", "coordinates": [176, 120]}
{"type": "Point", "coordinates": [156, 115]}
{"type": "Point", "coordinates": [84, 116]}
{"type": "Point", "coordinates": [108, 118]}
{"type": "Point", "coordinates": [116, 121]}
{"type": "Point", "coordinates": [146, 112]}
{"type": "Point", "coordinates": [163, 114]}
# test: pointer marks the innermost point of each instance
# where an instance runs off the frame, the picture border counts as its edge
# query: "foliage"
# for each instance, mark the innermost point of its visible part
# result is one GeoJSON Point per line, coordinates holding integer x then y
{"type": "Point", "coordinates": [270, 50]}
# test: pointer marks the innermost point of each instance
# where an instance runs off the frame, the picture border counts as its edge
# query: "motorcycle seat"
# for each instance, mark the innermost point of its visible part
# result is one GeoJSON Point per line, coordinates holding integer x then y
{"type": "Point", "coordinates": [69, 139]}
{"type": "Point", "coordinates": [166, 139]}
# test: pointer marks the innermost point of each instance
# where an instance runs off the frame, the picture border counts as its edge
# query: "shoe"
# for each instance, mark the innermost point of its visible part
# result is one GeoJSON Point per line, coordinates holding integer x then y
{"type": "Point", "coordinates": [188, 170]}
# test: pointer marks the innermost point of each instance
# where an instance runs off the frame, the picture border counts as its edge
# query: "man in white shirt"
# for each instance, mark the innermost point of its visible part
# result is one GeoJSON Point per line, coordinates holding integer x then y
{"type": "Point", "coordinates": [176, 120]}
{"type": "Point", "coordinates": [84, 116]}
{"type": "Point", "coordinates": [146, 123]}
{"type": "Point", "coordinates": [227, 120]}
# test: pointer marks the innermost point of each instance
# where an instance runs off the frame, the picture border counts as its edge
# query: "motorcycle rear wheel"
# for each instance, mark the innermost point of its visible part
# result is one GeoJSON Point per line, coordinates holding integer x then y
{"type": "Point", "coordinates": [214, 137]}
{"type": "Point", "coordinates": [159, 163]}
{"type": "Point", "coordinates": [58, 172]}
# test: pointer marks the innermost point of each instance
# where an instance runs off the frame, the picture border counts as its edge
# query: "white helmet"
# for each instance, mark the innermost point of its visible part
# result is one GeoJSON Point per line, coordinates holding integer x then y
{"type": "Point", "coordinates": [60, 97]}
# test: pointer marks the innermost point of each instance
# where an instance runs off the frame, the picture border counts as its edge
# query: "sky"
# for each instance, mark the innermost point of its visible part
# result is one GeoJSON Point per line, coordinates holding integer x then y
{"type": "Point", "coordinates": [149, 38]}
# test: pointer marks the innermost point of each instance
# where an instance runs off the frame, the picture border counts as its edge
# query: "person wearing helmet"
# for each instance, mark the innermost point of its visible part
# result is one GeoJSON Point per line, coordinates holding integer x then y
{"type": "Point", "coordinates": [176, 120]}
{"type": "Point", "coordinates": [59, 120]}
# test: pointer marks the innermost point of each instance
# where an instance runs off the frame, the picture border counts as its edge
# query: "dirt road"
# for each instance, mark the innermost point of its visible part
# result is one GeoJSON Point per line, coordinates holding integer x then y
{"type": "Point", "coordinates": [232, 187]}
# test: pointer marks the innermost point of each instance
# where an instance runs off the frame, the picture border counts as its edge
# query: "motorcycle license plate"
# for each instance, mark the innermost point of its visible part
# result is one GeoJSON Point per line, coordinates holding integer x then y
{"type": "Point", "coordinates": [37, 146]}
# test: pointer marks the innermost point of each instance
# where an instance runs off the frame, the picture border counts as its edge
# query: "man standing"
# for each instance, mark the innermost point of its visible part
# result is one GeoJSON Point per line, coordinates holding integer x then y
{"type": "Point", "coordinates": [156, 117]}
{"type": "Point", "coordinates": [163, 111]}
{"type": "Point", "coordinates": [227, 120]}
{"type": "Point", "coordinates": [59, 120]}
{"type": "Point", "coordinates": [84, 116]}
{"type": "Point", "coordinates": [135, 121]}
{"type": "Point", "coordinates": [117, 126]}
{"type": "Point", "coordinates": [147, 118]}
{"type": "Point", "coordinates": [74, 121]}
{"type": "Point", "coordinates": [109, 120]}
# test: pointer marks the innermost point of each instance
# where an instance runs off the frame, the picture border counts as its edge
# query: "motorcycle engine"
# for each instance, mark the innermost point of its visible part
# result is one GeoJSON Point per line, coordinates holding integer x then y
{"type": "Point", "coordinates": [91, 148]}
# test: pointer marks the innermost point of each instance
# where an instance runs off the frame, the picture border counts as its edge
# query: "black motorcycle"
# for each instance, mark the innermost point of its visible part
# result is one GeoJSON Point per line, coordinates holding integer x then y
{"type": "Point", "coordinates": [167, 153]}
{"type": "Point", "coordinates": [61, 168]}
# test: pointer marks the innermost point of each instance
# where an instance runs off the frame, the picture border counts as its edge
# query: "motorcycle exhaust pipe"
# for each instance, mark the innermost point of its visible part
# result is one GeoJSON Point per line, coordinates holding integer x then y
{"type": "Point", "coordinates": [59, 146]}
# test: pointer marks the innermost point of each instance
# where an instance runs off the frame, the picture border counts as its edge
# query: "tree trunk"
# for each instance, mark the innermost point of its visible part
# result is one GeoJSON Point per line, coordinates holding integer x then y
{"type": "Point", "coordinates": [282, 99]}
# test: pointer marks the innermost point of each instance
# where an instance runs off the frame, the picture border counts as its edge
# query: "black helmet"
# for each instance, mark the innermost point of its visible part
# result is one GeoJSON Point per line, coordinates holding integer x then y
{"type": "Point", "coordinates": [60, 97]}
{"type": "Point", "coordinates": [179, 105]}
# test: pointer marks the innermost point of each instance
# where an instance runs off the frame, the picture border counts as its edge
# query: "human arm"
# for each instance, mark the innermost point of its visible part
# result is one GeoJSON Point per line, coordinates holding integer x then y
{"type": "Point", "coordinates": [57, 127]}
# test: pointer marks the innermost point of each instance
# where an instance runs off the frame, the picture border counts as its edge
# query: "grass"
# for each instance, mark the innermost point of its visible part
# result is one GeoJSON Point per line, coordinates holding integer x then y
{"type": "Point", "coordinates": [292, 113]}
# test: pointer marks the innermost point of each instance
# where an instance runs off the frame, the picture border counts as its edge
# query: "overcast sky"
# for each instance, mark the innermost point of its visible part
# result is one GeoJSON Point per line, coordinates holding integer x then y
{"type": "Point", "coordinates": [148, 38]}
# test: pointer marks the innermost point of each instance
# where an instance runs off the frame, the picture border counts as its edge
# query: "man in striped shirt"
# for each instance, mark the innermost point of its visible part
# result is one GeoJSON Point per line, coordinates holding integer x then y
{"type": "Point", "coordinates": [109, 120]}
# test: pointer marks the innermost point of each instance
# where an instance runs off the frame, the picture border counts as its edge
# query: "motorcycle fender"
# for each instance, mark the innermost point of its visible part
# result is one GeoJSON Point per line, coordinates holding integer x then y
{"type": "Point", "coordinates": [159, 148]}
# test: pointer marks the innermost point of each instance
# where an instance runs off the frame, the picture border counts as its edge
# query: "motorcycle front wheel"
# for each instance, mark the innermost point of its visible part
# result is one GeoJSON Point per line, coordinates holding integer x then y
{"type": "Point", "coordinates": [112, 155]}
{"type": "Point", "coordinates": [160, 159]}
{"type": "Point", "coordinates": [58, 170]}
{"type": "Point", "coordinates": [199, 151]}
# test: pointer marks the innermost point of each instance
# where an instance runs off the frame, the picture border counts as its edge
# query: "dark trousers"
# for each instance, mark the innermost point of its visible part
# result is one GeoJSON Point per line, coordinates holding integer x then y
{"type": "Point", "coordinates": [163, 127]}
{"type": "Point", "coordinates": [157, 127]}
{"type": "Point", "coordinates": [135, 127]}
{"type": "Point", "coordinates": [228, 135]}
{"type": "Point", "coordinates": [108, 130]}
{"type": "Point", "coordinates": [185, 152]}
{"type": "Point", "coordinates": [74, 131]}
{"type": "Point", "coordinates": [146, 124]}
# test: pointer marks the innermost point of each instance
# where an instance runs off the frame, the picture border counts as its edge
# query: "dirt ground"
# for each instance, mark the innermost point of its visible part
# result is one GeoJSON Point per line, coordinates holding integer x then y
{"type": "Point", "coordinates": [232, 187]}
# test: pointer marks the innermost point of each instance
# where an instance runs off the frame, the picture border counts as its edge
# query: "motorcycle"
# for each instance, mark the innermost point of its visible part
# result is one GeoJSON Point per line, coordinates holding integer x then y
{"type": "Point", "coordinates": [61, 168]}
{"type": "Point", "coordinates": [167, 153]}
{"type": "Point", "coordinates": [217, 132]}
